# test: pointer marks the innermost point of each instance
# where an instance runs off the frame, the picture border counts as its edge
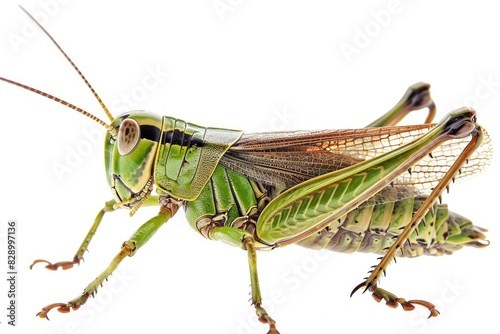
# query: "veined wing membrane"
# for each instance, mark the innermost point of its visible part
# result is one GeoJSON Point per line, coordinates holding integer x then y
{"type": "Point", "coordinates": [284, 159]}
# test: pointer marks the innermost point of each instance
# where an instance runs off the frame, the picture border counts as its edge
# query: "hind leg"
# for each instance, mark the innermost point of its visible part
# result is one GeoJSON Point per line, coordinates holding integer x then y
{"type": "Point", "coordinates": [371, 282]}
{"type": "Point", "coordinates": [417, 97]}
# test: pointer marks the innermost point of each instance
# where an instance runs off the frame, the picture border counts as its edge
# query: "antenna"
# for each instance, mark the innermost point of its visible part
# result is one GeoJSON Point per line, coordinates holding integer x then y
{"type": "Point", "coordinates": [55, 98]}
{"type": "Point", "coordinates": [61, 101]}
{"type": "Point", "coordinates": [103, 106]}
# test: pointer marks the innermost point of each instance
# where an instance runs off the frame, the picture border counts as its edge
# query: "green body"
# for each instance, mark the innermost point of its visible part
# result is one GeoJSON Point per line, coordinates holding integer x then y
{"type": "Point", "coordinates": [344, 209]}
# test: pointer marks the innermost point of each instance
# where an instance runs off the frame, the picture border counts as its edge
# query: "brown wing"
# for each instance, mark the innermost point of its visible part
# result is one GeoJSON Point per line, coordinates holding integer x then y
{"type": "Point", "coordinates": [284, 159]}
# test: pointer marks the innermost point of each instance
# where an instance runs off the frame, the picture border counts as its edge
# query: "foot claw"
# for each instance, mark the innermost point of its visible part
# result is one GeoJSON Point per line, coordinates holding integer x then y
{"type": "Point", "coordinates": [54, 266]}
{"type": "Point", "coordinates": [393, 301]}
{"type": "Point", "coordinates": [431, 307]}
{"type": "Point", "coordinates": [61, 307]}
{"type": "Point", "coordinates": [64, 307]}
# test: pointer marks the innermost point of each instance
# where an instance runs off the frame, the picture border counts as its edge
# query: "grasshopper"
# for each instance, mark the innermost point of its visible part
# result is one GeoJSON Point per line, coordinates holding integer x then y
{"type": "Point", "coordinates": [376, 189]}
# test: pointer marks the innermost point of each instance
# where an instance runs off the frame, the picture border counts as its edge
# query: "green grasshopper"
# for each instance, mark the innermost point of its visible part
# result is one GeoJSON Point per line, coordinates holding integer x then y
{"type": "Point", "coordinates": [376, 189]}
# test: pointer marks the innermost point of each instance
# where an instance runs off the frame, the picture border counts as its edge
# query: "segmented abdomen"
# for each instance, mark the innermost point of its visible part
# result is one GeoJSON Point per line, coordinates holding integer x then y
{"type": "Point", "coordinates": [373, 228]}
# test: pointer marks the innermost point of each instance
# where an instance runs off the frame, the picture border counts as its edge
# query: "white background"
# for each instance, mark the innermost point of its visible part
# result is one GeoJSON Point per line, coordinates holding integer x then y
{"type": "Point", "coordinates": [244, 66]}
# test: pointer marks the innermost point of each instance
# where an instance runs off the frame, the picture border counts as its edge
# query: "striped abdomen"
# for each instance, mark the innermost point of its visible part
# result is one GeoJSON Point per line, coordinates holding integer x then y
{"type": "Point", "coordinates": [373, 228]}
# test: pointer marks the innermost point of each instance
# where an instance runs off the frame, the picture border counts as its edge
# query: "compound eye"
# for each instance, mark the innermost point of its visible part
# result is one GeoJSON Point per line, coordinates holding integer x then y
{"type": "Point", "coordinates": [128, 136]}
